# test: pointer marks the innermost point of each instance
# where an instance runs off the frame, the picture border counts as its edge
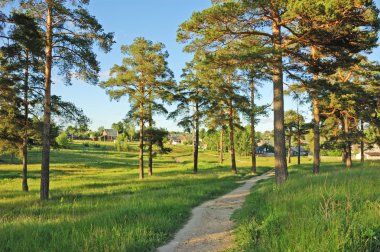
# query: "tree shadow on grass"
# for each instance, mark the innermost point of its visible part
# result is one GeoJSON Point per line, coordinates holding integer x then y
{"type": "Point", "coordinates": [15, 174]}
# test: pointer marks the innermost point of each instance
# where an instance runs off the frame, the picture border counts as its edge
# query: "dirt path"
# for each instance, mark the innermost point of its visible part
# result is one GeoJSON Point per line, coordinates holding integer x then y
{"type": "Point", "coordinates": [210, 227]}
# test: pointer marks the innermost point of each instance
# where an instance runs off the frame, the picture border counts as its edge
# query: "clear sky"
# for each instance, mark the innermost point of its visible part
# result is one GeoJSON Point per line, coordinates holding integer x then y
{"type": "Point", "coordinates": [156, 20]}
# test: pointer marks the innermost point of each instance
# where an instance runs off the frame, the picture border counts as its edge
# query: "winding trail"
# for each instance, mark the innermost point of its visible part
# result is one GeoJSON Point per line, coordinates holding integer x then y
{"type": "Point", "coordinates": [210, 227]}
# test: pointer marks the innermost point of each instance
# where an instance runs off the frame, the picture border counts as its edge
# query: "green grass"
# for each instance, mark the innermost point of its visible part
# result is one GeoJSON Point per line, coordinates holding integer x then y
{"type": "Point", "coordinates": [338, 210]}
{"type": "Point", "coordinates": [98, 204]}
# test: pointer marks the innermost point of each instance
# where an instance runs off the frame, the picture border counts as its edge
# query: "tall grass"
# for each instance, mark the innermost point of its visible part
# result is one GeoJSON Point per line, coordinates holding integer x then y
{"type": "Point", "coordinates": [338, 210]}
{"type": "Point", "coordinates": [98, 204]}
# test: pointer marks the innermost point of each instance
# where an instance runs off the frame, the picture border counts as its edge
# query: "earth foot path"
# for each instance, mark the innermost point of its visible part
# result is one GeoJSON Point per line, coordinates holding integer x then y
{"type": "Point", "coordinates": [210, 227]}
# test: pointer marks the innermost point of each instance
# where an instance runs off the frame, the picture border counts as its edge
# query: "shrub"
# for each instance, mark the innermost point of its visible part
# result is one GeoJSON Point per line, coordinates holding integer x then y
{"type": "Point", "coordinates": [62, 140]}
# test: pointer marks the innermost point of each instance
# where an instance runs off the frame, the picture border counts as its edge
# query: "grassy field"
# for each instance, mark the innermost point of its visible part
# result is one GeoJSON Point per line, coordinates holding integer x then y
{"type": "Point", "coordinates": [98, 204]}
{"type": "Point", "coordinates": [338, 210]}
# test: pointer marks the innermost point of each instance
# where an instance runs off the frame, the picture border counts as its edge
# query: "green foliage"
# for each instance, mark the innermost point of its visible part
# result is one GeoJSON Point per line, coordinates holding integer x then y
{"type": "Point", "coordinates": [145, 64]}
{"type": "Point", "coordinates": [158, 137]}
{"type": "Point", "coordinates": [125, 127]}
{"type": "Point", "coordinates": [62, 140]}
{"type": "Point", "coordinates": [75, 33]}
{"type": "Point", "coordinates": [331, 153]}
{"type": "Point", "coordinates": [121, 142]}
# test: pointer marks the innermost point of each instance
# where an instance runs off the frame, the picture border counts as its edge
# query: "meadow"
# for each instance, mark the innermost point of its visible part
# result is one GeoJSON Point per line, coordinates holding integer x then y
{"type": "Point", "coordinates": [338, 210]}
{"type": "Point", "coordinates": [98, 203]}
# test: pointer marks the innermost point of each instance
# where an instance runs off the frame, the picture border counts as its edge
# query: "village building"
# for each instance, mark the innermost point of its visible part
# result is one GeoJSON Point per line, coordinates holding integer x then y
{"type": "Point", "coordinates": [182, 139]}
{"type": "Point", "coordinates": [372, 154]}
{"type": "Point", "coordinates": [109, 135]}
{"type": "Point", "coordinates": [303, 151]}
{"type": "Point", "coordinates": [264, 148]}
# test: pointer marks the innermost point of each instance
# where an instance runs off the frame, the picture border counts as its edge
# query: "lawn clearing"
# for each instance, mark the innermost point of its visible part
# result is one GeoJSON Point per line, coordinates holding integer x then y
{"type": "Point", "coordinates": [338, 210]}
{"type": "Point", "coordinates": [98, 204]}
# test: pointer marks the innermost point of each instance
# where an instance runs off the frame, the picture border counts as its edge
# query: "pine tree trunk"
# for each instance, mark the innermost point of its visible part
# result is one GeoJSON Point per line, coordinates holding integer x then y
{"type": "Point", "coordinates": [150, 147]}
{"type": "Point", "coordinates": [344, 155]}
{"type": "Point", "coordinates": [141, 145]}
{"type": "Point", "coordinates": [362, 142]}
{"type": "Point", "coordinates": [348, 143]}
{"type": "Point", "coordinates": [316, 120]}
{"type": "Point", "coordinates": [45, 164]}
{"type": "Point", "coordinates": [25, 186]}
{"type": "Point", "coordinates": [221, 146]}
{"type": "Point", "coordinates": [344, 148]}
{"type": "Point", "coordinates": [278, 103]}
{"type": "Point", "coordinates": [232, 130]}
{"type": "Point", "coordinates": [317, 148]}
{"type": "Point", "coordinates": [299, 136]}
{"type": "Point", "coordinates": [299, 151]}
{"type": "Point", "coordinates": [253, 140]}
{"type": "Point", "coordinates": [196, 142]}
{"type": "Point", "coordinates": [290, 150]}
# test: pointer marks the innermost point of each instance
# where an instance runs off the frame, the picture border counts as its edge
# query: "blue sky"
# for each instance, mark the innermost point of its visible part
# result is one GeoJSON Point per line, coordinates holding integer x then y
{"type": "Point", "coordinates": [156, 20]}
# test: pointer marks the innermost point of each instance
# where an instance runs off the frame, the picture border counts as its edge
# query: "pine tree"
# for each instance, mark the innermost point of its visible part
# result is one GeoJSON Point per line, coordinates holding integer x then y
{"type": "Point", "coordinates": [226, 98]}
{"type": "Point", "coordinates": [323, 39]}
{"type": "Point", "coordinates": [143, 76]}
{"type": "Point", "coordinates": [191, 98]}
{"type": "Point", "coordinates": [70, 33]}
{"type": "Point", "coordinates": [227, 21]}
{"type": "Point", "coordinates": [22, 54]}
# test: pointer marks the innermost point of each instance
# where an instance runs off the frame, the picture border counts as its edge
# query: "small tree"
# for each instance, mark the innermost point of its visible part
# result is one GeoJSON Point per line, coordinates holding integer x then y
{"type": "Point", "coordinates": [143, 76]}
{"type": "Point", "coordinates": [62, 140]}
{"type": "Point", "coordinates": [191, 97]}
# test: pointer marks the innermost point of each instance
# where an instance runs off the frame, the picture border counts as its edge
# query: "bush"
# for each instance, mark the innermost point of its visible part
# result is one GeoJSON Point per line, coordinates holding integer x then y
{"type": "Point", "coordinates": [62, 140]}
{"type": "Point", "coordinates": [331, 153]}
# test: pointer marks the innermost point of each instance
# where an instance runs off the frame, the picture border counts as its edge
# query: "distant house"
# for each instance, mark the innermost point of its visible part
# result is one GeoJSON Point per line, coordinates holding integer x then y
{"type": "Point", "coordinates": [186, 139]}
{"type": "Point", "coordinates": [372, 154]}
{"type": "Point", "coordinates": [294, 151]}
{"type": "Point", "coordinates": [176, 139]}
{"type": "Point", "coordinates": [265, 150]}
{"type": "Point", "coordinates": [109, 135]}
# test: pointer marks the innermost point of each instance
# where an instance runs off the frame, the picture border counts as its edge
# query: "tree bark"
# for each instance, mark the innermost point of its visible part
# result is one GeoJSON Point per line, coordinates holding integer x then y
{"type": "Point", "coordinates": [317, 147]}
{"type": "Point", "coordinates": [150, 137]}
{"type": "Point", "coordinates": [231, 125]}
{"type": "Point", "coordinates": [278, 102]}
{"type": "Point", "coordinates": [141, 145]}
{"type": "Point", "coordinates": [25, 186]}
{"type": "Point", "coordinates": [344, 148]}
{"type": "Point", "coordinates": [348, 142]}
{"type": "Point", "coordinates": [344, 155]}
{"type": "Point", "coordinates": [362, 142]}
{"type": "Point", "coordinates": [45, 164]}
{"type": "Point", "coordinates": [290, 150]}
{"type": "Point", "coordinates": [221, 146]}
{"type": "Point", "coordinates": [196, 142]}
{"type": "Point", "coordinates": [253, 139]}
{"type": "Point", "coordinates": [316, 119]}
{"type": "Point", "coordinates": [299, 136]}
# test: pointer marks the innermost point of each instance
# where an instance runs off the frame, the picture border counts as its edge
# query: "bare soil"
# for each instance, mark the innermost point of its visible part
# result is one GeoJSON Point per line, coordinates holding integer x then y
{"type": "Point", "coordinates": [210, 227]}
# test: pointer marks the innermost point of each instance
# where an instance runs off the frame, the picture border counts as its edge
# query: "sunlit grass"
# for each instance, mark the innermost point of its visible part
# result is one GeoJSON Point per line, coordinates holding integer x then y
{"type": "Point", "coordinates": [97, 202]}
{"type": "Point", "coordinates": [338, 210]}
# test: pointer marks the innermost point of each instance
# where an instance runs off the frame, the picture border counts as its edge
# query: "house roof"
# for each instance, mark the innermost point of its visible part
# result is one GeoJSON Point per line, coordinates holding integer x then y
{"type": "Point", "coordinates": [110, 132]}
{"type": "Point", "coordinates": [372, 154]}
{"type": "Point", "coordinates": [296, 149]}
{"type": "Point", "coordinates": [174, 137]}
